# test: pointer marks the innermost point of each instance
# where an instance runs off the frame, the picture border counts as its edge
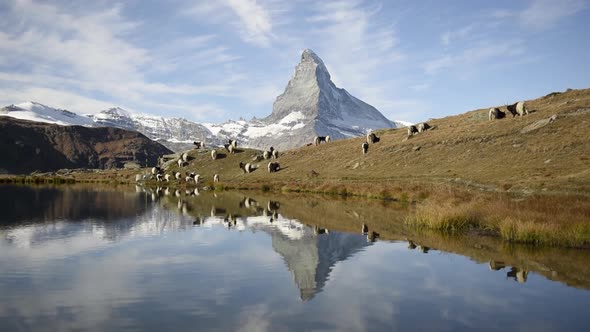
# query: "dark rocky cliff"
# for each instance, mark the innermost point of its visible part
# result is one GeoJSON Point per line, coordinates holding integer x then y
{"type": "Point", "coordinates": [27, 146]}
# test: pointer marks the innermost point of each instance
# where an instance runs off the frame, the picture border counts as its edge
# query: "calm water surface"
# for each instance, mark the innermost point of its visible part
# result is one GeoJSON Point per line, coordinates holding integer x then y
{"type": "Point", "coordinates": [101, 259]}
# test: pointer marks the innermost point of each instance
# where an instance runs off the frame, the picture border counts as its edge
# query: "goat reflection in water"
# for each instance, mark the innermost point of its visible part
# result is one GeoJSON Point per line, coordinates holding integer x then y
{"type": "Point", "coordinates": [517, 273]}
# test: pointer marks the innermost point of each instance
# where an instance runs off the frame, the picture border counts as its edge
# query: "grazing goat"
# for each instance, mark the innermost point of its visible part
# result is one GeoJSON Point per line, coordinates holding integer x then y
{"type": "Point", "coordinates": [233, 142]}
{"type": "Point", "coordinates": [495, 113]}
{"type": "Point", "coordinates": [319, 139]}
{"type": "Point", "coordinates": [216, 178]}
{"type": "Point", "coordinates": [167, 177]}
{"type": "Point", "coordinates": [273, 167]}
{"type": "Point", "coordinates": [180, 162]}
{"type": "Point", "coordinates": [412, 130]}
{"type": "Point", "coordinates": [275, 154]}
{"type": "Point", "coordinates": [365, 147]}
{"type": "Point", "coordinates": [158, 177]}
{"type": "Point", "coordinates": [365, 229]}
{"type": "Point", "coordinates": [156, 170]}
{"type": "Point", "coordinates": [178, 176]}
{"type": "Point", "coordinates": [213, 154]}
{"type": "Point", "coordinates": [372, 138]}
{"type": "Point", "coordinates": [199, 145]}
{"type": "Point", "coordinates": [247, 168]}
{"type": "Point", "coordinates": [231, 149]}
{"type": "Point", "coordinates": [518, 108]}
{"type": "Point", "coordinates": [185, 157]}
{"type": "Point", "coordinates": [423, 127]}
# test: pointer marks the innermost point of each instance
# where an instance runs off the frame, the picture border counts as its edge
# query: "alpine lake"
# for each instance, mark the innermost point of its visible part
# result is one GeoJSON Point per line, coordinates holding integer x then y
{"type": "Point", "coordinates": [99, 258]}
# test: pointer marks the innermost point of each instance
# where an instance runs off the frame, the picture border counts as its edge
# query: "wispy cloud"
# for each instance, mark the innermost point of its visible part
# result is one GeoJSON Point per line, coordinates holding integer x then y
{"type": "Point", "coordinates": [252, 20]}
{"type": "Point", "coordinates": [356, 45]}
{"type": "Point", "coordinates": [483, 51]}
{"type": "Point", "coordinates": [542, 14]}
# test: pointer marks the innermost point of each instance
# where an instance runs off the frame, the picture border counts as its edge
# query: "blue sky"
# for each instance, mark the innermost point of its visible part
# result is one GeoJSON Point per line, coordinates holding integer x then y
{"type": "Point", "coordinates": [211, 61]}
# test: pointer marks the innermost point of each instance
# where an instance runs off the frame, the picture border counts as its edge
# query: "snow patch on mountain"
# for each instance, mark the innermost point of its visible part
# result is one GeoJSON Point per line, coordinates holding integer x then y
{"type": "Point", "coordinates": [37, 112]}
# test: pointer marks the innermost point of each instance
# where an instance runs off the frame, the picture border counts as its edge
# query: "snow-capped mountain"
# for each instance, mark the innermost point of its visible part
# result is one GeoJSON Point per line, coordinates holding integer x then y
{"type": "Point", "coordinates": [33, 111]}
{"type": "Point", "coordinates": [311, 105]}
{"type": "Point", "coordinates": [177, 134]}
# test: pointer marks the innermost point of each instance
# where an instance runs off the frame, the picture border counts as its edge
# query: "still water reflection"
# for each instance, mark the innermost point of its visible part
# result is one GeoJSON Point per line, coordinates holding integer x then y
{"type": "Point", "coordinates": [82, 258]}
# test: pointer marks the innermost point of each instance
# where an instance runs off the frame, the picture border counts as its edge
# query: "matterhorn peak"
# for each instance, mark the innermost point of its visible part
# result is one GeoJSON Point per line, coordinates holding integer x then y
{"type": "Point", "coordinates": [309, 57]}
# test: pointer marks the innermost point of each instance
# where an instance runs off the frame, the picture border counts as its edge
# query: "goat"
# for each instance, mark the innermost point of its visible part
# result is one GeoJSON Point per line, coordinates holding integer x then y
{"type": "Point", "coordinates": [199, 145]}
{"type": "Point", "coordinates": [275, 154]}
{"type": "Point", "coordinates": [180, 162]}
{"type": "Point", "coordinates": [423, 127]}
{"type": "Point", "coordinates": [372, 138]}
{"type": "Point", "coordinates": [365, 147]}
{"type": "Point", "coordinates": [412, 130]}
{"type": "Point", "coordinates": [213, 154]}
{"type": "Point", "coordinates": [495, 113]}
{"type": "Point", "coordinates": [156, 170]}
{"type": "Point", "coordinates": [167, 177]}
{"type": "Point", "coordinates": [273, 167]}
{"type": "Point", "coordinates": [216, 178]}
{"type": "Point", "coordinates": [247, 168]}
{"type": "Point", "coordinates": [196, 178]}
{"type": "Point", "coordinates": [233, 142]}
{"type": "Point", "coordinates": [158, 177]}
{"type": "Point", "coordinates": [231, 149]}
{"type": "Point", "coordinates": [518, 108]}
{"type": "Point", "coordinates": [178, 176]}
{"type": "Point", "coordinates": [184, 157]}
{"type": "Point", "coordinates": [319, 139]}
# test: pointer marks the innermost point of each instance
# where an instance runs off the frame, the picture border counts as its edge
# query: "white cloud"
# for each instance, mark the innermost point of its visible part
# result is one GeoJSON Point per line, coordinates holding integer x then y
{"type": "Point", "coordinates": [542, 14]}
{"type": "Point", "coordinates": [483, 51]}
{"type": "Point", "coordinates": [253, 20]}
{"type": "Point", "coordinates": [450, 36]}
{"type": "Point", "coordinates": [356, 46]}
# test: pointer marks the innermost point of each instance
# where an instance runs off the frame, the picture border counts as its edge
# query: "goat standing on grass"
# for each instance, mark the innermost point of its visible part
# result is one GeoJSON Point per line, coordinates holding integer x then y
{"type": "Point", "coordinates": [213, 154]}
{"type": "Point", "coordinates": [495, 113]}
{"type": "Point", "coordinates": [199, 145]}
{"type": "Point", "coordinates": [412, 130]}
{"type": "Point", "coordinates": [273, 167]}
{"type": "Point", "coordinates": [518, 108]}
{"type": "Point", "coordinates": [247, 168]}
{"type": "Point", "coordinates": [216, 178]}
{"type": "Point", "coordinates": [365, 147]}
{"type": "Point", "coordinates": [372, 138]}
{"type": "Point", "coordinates": [319, 139]}
{"type": "Point", "coordinates": [167, 177]}
{"type": "Point", "coordinates": [423, 127]}
{"type": "Point", "coordinates": [180, 162]}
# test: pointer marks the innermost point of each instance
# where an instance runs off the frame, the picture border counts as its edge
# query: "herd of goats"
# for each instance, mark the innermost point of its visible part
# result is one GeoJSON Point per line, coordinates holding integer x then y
{"type": "Point", "coordinates": [231, 146]}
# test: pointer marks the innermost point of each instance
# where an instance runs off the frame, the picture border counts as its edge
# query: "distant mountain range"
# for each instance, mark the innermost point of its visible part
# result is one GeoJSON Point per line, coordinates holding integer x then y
{"type": "Point", "coordinates": [310, 105]}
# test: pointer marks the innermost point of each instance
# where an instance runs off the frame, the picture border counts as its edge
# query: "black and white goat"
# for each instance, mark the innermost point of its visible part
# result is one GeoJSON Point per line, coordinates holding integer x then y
{"type": "Point", "coordinates": [216, 178]}
{"type": "Point", "coordinates": [365, 147]}
{"type": "Point", "coordinates": [199, 145]}
{"type": "Point", "coordinates": [273, 166]}
{"type": "Point", "coordinates": [247, 168]}
{"type": "Point", "coordinates": [372, 138]}
{"type": "Point", "coordinates": [213, 154]}
{"type": "Point", "coordinates": [319, 139]}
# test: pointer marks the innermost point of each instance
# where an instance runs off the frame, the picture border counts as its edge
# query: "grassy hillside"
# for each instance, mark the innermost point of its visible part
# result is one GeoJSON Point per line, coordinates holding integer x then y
{"type": "Point", "coordinates": [464, 149]}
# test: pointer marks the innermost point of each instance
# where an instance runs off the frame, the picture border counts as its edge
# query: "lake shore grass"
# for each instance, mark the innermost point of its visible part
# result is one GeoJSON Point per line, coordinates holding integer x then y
{"type": "Point", "coordinates": [541, 218]}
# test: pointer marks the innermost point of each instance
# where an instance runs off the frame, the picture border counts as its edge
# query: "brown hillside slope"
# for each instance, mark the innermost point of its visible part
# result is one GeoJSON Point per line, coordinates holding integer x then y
{"type": "Point", "coordinates": [466, 148]}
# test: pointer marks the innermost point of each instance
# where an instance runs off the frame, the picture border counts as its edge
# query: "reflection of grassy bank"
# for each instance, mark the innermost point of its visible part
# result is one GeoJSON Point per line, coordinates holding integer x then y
{"type": "Point", "coordinates": [390, 220]}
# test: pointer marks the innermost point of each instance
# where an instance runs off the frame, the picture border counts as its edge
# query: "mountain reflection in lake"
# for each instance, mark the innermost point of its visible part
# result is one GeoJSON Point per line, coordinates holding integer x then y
{"type": "Point", "coordinates": [82, 258]}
